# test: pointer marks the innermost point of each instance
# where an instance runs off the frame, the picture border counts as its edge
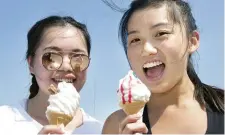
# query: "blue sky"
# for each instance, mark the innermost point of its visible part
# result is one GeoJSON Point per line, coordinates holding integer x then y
{"type": "Point", "coordinates": [108, 62]}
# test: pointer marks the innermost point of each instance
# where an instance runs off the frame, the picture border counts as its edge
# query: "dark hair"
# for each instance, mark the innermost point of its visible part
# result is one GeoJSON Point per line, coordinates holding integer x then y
{"type": "Point", "coordinates": [34, 37]}
{"type": "Point", "coordinates": [180, 12]}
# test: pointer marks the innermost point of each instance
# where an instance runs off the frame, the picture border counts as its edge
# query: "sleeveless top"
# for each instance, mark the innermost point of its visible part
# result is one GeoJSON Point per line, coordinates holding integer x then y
{"type": "Point", "coordinates": [215, 122]}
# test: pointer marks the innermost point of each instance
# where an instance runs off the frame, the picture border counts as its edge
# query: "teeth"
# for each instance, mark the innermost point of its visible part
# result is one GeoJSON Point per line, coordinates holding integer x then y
{"type": "Point", "coordinates": [64, 80]}
{"type": "Point", "coordinates": [152, 64]}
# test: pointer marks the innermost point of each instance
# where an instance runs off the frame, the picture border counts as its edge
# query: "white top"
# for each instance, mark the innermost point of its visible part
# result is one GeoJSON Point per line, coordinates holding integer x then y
{"type": "Point", "coordinates": [15, 120]}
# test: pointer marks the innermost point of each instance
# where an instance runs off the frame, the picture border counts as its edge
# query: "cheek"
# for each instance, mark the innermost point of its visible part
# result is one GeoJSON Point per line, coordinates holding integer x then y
{"type": "Point", "coordinates": [134, 57]}
{"type": "Point", "coordinates": [82, 75]}
{"type": "Point", "coordinates": [173, 51]}
{"type": "Point", "coordinates": [175, 54]}
{"type": "Point", "coordinates": [39, 69]}
{"type": "Point", "coordinates": [42, 75]}
{"type": "Point", "coordinates": [81, 79]}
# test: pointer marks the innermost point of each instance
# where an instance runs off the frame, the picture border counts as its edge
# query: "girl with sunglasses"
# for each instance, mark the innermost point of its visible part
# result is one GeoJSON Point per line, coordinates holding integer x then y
{"type": "Point", "coordinates": [159, 38]}
{"type": "Point", "coordinates": [58, 50]}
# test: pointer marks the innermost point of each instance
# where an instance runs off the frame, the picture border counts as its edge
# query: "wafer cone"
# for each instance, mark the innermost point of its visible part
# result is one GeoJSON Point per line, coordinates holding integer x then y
{"type": "Point", "coordinates": [132, 108]}
{"type": "Point", "coordinates": [56, 118]}
{"type": "Point", "coordinates": [52, 89]}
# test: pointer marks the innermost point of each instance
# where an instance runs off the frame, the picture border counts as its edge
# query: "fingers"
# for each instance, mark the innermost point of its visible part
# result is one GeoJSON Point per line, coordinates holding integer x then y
{"type": "Point", "coordinates": [131, 125]}
{"type": "Point", "coordinates": [132, 128]}
{"type": "Point", "coordinates": [129, 119]}
{"type": "Point", "coordinates": [52, 129]}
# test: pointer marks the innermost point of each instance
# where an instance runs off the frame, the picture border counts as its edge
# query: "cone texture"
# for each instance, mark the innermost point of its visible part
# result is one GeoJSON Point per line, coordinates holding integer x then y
{"type": "Point", "coordinates": [132, 108]}
{"type": "Point", "coordinates": [59, 118]}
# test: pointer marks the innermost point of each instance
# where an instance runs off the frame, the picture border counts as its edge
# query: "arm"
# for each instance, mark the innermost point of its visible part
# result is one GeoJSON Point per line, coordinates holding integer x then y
{"type": "Point", "coordinates": [111, 125]}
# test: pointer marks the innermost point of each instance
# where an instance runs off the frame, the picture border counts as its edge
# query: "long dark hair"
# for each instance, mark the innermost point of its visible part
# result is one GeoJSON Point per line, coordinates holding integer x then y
{"type": "Point", "coordinates": [180, 11]}
{"type": "Point", "coordinates": [35, 34]}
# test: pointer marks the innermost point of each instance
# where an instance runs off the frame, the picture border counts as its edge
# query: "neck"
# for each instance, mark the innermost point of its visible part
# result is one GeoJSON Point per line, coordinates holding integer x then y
{"type": "Point", "coordinates": [178, 96]}
{"type": "Point", "coordinates": [37, 106]}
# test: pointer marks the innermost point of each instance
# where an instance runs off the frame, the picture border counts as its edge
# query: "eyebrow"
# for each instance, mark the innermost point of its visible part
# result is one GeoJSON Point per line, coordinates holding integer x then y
{"type": "Point", "coordinates": [153, 27]}
{"type": "Point", "coordinates": [160, 24]}
{"type": "Point", "coordinates": [59, 49]}
{"type": "Point", "coordinates": [132, 32]}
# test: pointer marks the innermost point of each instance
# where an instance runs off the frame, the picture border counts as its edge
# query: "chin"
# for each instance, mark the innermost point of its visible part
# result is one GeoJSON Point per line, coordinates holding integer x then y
{"type": "Point", "coordinates": [159, 87]}
{"type": "Point", "coordinates": [79, 86]}
{"type": "Point", "coordinates": [158, 91]}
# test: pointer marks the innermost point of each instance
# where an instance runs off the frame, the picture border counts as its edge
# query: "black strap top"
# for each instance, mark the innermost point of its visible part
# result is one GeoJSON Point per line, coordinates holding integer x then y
{"type": "Point", "coordinates": [215, 122]}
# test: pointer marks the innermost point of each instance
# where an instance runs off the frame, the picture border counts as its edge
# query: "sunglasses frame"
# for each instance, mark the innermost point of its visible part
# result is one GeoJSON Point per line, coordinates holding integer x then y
{"type": "Point", "coordinates": [70, 57]}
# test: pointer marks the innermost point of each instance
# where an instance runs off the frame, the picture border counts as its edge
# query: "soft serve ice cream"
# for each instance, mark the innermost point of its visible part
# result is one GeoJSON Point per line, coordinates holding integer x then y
{"type": "Point", "coordinates": [63, 104]}
{"type": "Point", "coordinates": [132, 94]}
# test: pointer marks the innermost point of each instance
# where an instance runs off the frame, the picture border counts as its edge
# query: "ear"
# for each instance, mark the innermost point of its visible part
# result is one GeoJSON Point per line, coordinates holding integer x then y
{"type": "Point", "coordinates": [193, 42]}
{"type": "Point", "coordinates": [30, 64]}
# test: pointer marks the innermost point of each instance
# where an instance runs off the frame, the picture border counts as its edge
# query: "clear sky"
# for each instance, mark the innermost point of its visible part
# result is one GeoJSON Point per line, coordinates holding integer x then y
{"type": "Point", "coordinates": [108, 62]}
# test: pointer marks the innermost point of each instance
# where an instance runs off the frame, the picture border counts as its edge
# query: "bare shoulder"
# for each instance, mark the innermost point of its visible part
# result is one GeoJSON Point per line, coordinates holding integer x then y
{"type": "Point", "coordinates": [111, 125]}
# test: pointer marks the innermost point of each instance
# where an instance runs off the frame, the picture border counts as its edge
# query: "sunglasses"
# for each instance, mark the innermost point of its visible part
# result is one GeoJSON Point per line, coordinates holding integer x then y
{"type": "Point", "coordinates": [53, 61]}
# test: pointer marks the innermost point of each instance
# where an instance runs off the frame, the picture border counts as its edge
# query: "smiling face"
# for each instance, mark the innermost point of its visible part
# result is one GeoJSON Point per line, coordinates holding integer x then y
{"type": "Point", "coordinates": [157, 48]}
{"type": "Point", "coordinates": [65, 42]}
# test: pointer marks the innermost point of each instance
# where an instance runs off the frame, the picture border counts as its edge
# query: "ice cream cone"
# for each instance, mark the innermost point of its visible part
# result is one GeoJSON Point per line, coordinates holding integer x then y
{"type": "Point", "coordinates": [52, 89]}
{"type": "Point", "coordinates": [133, 107]}
{"type": "Point", "coordinates": [59, 118]}
{"type": "Point", "coordinates": [133, 95]}
{"type": "Point", "coordinates": [56, 118]}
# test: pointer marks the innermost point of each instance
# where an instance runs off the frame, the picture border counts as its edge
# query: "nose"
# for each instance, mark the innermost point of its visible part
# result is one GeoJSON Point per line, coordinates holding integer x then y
{"type": "Point", "coordinates": [66, 66]}
{"type": "Point", "coordinates": [148, 49]}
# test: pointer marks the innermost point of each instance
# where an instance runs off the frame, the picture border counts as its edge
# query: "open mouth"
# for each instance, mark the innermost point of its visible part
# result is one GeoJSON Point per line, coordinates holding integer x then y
{"type": "Point", "coordinates": [63, 80]}
{"type": "Point", "coordinates": [154, 70]}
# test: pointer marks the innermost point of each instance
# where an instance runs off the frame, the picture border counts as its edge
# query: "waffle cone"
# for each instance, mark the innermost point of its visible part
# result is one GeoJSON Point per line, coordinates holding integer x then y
{"type": "Point", "coordinates": [132, 108]}
{"type": "Point", "coordinates": [56, 118]}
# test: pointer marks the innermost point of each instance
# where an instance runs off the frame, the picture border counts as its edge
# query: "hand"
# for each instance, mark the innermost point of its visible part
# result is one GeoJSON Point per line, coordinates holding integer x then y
{"type": "Point", "coordinates": [131, 125]}
{"type": "Point", "coordinates": [52, 129]}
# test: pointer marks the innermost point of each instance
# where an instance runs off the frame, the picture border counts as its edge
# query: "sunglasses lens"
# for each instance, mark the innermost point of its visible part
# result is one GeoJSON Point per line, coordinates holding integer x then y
{"type": "Point", "coordinates": [79, 63]}
{"type": "Point", "coordinates": [51, 61]}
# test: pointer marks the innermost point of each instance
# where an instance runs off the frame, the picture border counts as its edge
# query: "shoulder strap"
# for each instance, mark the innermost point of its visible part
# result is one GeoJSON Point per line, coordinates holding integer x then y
{"type": "Point", "coordinates": [215, 122]}
{"type": "Point", "coordinates": [146, 120]}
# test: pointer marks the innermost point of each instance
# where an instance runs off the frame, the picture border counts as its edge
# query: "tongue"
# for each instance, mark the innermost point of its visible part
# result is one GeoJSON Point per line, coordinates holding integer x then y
{"type": "Point", "coordinates": [155, 71]}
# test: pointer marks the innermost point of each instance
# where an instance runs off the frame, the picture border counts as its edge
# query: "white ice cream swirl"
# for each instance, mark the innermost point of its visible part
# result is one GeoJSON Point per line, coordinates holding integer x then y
{"type": "Point", "coordinates": [132, 89]}
{"type": "Point", "coordinates": [66, 101]}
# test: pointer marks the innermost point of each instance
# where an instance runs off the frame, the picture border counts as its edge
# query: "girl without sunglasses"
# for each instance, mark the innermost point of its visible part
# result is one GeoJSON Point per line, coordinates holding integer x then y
{"type": "Point", "coordinates": [165, 32]}
{"type": "Point", "coordinates": [58, 50]}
